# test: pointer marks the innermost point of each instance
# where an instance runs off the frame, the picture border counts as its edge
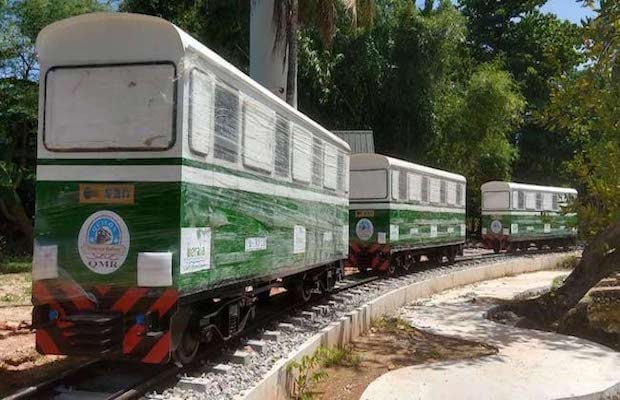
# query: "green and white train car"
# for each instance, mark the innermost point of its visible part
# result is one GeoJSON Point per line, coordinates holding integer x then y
{"type": "Point", "coordinates": [400, 211]}
{"type": "Point", "coordinates": [516, 215]}
{"type": "Point", "coordinates": [172, 191]}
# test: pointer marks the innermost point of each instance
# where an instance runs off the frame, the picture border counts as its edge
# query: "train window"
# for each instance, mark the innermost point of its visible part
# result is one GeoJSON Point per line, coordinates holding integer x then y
{"type": "Point", "coordinates": [495, 200]}
{"type": "Point", "coordinates": [539, 202]}
{"type": "Point", "coordinates": [341, 172]}
{"type": "Point", "coordinates": [200, 111]}
{"type": "Point", "coordinates": [402, 186]}
{"type": "Point", "coordinates": [521, 200]}
{"type": "Point", "coordinates": [226, 127]}
{"type": "Point", "coordinates": [515, 198]}
{"type": "Point", "coordinates": [395, 184]}
{"type": "Point", "coordinates": [442, 191]}
{"type": "Point", "coordinates": [435, 190]}
{"type": "Point", "coordinates": [459, 194]}
{"type": "Point", "coordinates": [302, 154]}
{"type": "Point", "coordinates": [415, 187]}
{"type": "Point", "coordinates": [258, 134]}
{"type": "Point", "coordinates": [283, 139]}
{"type": "Point", "coordinates": [128, 107]}
{"type": "Point", "coordinates": [330, 167]}
{"type": "Point", "coordinates": [425, 189]}
{"type": "Point", "coordinates": [317, 162]}
{"type": "Point", "coordinates": [450, 192]}
{"type": "Point", "coordinates": [530, 201]}
{"type": "Point", "coordinates": [554, 202]}
{"type": "Point", "coordinates": [548, 201]}
{"type": "Point", "coordinates": [369, 184]}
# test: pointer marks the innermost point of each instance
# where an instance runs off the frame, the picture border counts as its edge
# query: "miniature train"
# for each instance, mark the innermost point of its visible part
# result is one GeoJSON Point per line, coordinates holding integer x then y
{"type": "Point", "coordinates": [173, 192]}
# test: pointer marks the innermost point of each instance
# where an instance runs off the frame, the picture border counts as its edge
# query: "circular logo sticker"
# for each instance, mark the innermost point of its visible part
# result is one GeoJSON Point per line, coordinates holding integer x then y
{"type": "Point", "coordinates": [103, 242]}
{"type": "Point", "coordinates": [364, 229]}
{"type": "Point", "coordinates": [496, 226]}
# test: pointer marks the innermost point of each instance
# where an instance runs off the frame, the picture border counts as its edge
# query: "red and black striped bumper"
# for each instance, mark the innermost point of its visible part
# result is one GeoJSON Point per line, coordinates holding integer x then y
{"type": "Point", "coordinates": [132, 323]}
{"type": "Point", "coordinates": [373, 256]}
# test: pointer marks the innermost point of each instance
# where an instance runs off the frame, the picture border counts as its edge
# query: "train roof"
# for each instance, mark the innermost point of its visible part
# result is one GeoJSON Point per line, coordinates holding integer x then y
{"type": "Point", "coordinates": [362, 161]}
{"type": "Point", "coordinates": [121, 38]}
{"type": "Point", "coordinates": [500, 186]}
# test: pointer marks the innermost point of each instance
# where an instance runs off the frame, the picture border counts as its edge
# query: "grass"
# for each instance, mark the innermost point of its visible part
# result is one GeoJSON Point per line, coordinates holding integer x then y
{"type": "Point", "coordinates": [15, 265]}
{"type": "Point", "coordinates": [390, 324]}
{"type": "Point", "coordinates": [307, 372]}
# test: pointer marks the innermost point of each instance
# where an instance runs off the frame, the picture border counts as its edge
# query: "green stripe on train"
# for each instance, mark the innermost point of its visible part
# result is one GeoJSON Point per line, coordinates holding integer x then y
{"type": "Point", "coordinates": [415, 228]}
{"type": "Point", "coordinates": [528, 225]}
{"type": "Point", "coordinates": [159, 212]}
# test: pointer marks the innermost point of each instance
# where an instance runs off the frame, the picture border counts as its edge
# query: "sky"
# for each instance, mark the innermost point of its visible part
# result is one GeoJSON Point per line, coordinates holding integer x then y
{"type": "Point", "coordinates": [565, 9]}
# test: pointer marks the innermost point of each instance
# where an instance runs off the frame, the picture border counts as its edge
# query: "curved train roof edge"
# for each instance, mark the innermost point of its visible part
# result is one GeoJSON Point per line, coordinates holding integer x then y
{"type": "Point", "coordinates": [375, 160]}
{"type": "Point", "coordinates": [159, 38]}
{"type": "Point", "coordinates": [503, 185]}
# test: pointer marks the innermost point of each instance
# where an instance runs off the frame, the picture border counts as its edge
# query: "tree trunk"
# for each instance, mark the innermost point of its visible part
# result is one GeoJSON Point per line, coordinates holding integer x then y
{"type": "Point", "coordinates": [599, 260]}
{"type": "Point", "coordinates": [291, 34]}
{"type": "Point", "coordinates": [13, 211]}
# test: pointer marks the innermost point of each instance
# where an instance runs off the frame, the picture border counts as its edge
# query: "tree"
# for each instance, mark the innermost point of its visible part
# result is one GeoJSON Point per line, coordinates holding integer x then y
{"type": "Point", "coordinates": [289, 17]}
{"type": "Point", "coordinates": [584, 106]}
{"type": "Point", "coordinates": [21, 21]}
{"type": "Point", "coordinates": [537, 49]}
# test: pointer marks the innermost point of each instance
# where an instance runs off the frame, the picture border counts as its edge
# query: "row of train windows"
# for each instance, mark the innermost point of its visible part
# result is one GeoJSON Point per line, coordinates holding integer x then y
{"type": "Point", "coordinates": [266, 140]}
{"type": "Point", "coordinates": [522, 200]}
{"type": "Point", "coordinates": [407, 186]}
{"type": "Point", "coordinates": [539, 201]}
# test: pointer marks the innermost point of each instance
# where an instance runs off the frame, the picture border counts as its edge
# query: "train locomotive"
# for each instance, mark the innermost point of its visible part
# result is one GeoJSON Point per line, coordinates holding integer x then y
{"type": "Point", "coordinates": [400, 211]}
{"type": "Point", "coordinates": [516, 215]}
{"type": "Point", "coordinates": [172, 193]}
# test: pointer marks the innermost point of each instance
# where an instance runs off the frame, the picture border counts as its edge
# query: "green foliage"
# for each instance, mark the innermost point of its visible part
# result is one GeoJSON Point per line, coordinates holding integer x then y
{"type": "Point", "coordinates": [339, 356]}
{"type": "Point", "coordinates": [584, 107]}
{"type": "Point", "coordinates": [306, 374]}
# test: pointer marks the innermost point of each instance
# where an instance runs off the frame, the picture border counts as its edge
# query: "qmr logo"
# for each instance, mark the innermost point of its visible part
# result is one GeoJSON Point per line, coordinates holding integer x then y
{"type": "Point", "coordinates": [103, 242]}
{"type": "Point", "coordinates": [364, 229]}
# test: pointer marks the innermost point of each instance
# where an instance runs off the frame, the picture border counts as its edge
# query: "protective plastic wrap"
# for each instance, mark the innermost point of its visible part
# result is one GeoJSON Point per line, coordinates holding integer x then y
{"type": "Point", "coordinates": [159, 179]}
{"type": "Point", "coordinates": [399, 206]}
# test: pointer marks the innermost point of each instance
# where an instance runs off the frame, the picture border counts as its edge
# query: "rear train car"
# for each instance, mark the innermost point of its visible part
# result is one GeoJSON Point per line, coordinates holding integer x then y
{"type": "Point", "coordinates": [172, 192]}
{"type": "Point", "coordinates": [516, 215]}
{"type": "Point", "coordinates": [400, 211]}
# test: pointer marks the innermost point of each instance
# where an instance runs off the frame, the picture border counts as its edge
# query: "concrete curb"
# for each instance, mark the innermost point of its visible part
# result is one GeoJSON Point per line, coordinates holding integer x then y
{"type": "Point", "coordinates": [337, 334]}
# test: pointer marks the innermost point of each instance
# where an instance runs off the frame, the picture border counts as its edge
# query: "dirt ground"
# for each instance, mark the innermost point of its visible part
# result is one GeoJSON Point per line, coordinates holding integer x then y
{"type": "Point", "coordinates": [389, 345]}
{"type": "Point", "coordinates": [20, 364]}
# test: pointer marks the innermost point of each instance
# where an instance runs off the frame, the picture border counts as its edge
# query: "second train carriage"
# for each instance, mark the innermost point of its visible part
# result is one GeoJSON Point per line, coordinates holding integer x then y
{"type": "Point", "coordinates": [400, 211]}
{"type": "Point", "coordinates": [172, 190]}
{"type": "Point", "coordinates": [515, 215]}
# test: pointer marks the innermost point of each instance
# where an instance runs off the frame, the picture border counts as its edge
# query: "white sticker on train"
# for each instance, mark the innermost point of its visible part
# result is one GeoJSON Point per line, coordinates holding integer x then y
{"type": "Point", "coordinates": [299, 239]}
{"type": "Point", "coordinates": [195, 249]}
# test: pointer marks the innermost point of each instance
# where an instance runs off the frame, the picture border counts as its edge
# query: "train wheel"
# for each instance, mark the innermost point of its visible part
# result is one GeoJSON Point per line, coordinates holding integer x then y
{"type": "Point", "coordinates": [417, 258]}
{"type": "Point", "coordinates": [302, 291]}
{"type": "Point", "coordinates": [190, 342]}
{"type": "Point", "coordinates": [407, 263]}
{"type": "Point", "coordinates": [391, 267]}
{"type": "Point", "coordinates": [496, 248]}
{"type": "Point", "coordinates": [451, 256]}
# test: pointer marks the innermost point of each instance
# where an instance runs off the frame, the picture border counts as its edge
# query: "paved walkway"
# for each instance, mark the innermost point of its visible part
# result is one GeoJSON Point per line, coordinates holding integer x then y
{"type": "Point", "coordinates": [530, 364]}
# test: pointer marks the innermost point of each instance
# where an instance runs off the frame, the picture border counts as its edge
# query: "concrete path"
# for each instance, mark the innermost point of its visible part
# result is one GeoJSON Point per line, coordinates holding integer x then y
{"type": "Point", "coordinates": [530, 364]}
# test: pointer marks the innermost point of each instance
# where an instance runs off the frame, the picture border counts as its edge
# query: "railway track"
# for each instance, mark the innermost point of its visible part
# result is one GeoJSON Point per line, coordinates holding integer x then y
{"type": "Point", "coordinates": [105, 379]}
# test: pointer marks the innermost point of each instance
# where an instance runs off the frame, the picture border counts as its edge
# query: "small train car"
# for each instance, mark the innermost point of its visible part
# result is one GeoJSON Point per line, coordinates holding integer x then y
{"type": "Point", "coordinates": [516, 215]}
{"type": "Point", "coordinates": [400, 211]}
{"type": "Point", "coordinates": [172, 192]}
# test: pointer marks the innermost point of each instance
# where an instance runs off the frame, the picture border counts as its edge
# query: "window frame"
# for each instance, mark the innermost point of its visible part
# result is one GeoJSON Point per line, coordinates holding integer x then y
{"type": "Point", "coordinates": [295, 132]}
{"type": "Point", "coordinates": [173, 131]}
{"type": "Point", "coordinates": [289, 140]}
{"type": "Point", "coordinates": [190, 111]}
{"type": "Point", "coordinates": [237, 92]}
{"type": "Point", "coordinates": [248, 101]}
